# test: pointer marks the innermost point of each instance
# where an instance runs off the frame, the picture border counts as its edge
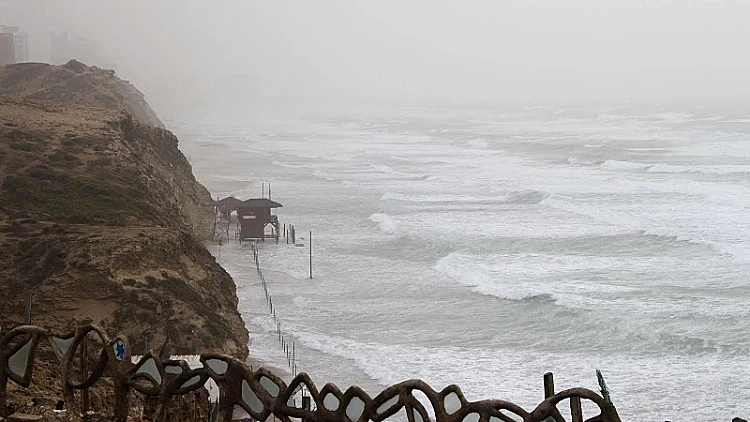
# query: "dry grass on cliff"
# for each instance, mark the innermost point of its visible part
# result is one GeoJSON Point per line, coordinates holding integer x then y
{"type": "Point", "coordinates": [104, 211]}
{"type": "Point", "coordinates": [101, 217]}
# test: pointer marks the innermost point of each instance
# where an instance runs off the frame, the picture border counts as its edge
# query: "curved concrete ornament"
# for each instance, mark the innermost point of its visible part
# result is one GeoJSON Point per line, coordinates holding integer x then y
{"type": "Point", "coordinates": [173, 369]}
{"type": "Point", "coordinates": [191, 382]}
{"type": "Point", "coordinates": [270, 386]}
{"type": "Point", "coordinates": [250, 398]}
{"type": "Point", "coordinates": [355, 409]}
{"type": "Point", "coordinates": [18, 363]}
{"type": "Point", "coordinates": [61, 345]}
{"type": "Point", "coordinates": [331, 402]}
{"type": "Point", "coordinates": [217, 365]}
{"type": "Point", "coordinates": [148, 367]}
{"type": "Point", "coordinates": [262, 393]}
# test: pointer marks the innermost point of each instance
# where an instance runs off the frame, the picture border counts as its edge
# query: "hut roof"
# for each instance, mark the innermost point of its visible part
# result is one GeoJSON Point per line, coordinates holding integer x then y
{"type": "Point", "coordinates": [229, 203]}
{"type": "Point", "coordinates": [260, 203]}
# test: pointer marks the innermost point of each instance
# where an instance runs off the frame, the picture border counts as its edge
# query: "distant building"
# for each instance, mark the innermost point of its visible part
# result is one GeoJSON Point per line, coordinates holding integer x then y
{"type": "Point", "coordinates": [7, 49]}
{"type": "Point", "coordinates": [64, 49]}
{"type": "Point", "coordinates": [58, 47]}
{"type": "Point", "coordinates": [14, 45]}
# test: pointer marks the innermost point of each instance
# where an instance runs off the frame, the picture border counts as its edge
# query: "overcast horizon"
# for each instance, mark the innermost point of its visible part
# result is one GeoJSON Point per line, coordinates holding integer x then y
{"type": "Point", "coordinates": [188, 53]}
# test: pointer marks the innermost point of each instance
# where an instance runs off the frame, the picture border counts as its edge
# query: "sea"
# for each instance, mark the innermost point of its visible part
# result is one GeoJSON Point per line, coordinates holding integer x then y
{"type": "Point", "coordinates": [485, 245]}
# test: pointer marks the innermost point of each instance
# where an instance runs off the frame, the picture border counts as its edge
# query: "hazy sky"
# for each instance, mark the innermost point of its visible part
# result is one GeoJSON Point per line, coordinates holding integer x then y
{"type": "Point", "coordinates": [187, 52]}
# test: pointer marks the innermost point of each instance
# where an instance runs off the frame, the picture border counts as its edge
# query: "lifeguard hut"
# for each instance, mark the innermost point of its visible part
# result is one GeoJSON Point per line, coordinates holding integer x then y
{"type": "Point", "coordinates": [227, 205]}
{"type": "Point", "coordinates": [254, 216]}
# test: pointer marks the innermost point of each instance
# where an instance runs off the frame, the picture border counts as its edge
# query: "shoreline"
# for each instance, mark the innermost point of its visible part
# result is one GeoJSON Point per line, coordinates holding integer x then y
{"type": "Point", "coordinates": [264, 347]}
{"type": "Point", "coordinates": [252, 281]}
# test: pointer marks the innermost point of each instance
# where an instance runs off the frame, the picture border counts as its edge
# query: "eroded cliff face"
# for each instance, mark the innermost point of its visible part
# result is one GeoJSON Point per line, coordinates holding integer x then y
{"type": "Point", "coordinates": [101, 216]}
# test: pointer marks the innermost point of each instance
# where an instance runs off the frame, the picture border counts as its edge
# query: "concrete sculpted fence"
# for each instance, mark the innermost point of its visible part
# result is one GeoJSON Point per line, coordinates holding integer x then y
{"type": "Point", "coordinates": [261, 393]}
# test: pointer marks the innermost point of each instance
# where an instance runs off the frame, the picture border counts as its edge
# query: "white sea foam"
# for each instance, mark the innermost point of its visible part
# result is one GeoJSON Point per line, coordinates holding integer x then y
{"type": "Point", "coordinates": [389, 196]}
{"type": "Point", "coordinates": [382, 169]}
{"type": "Point", "coordinates": [622, 165]}
{"type": "Point", "coordinates": [705, 169]}
{"type": "Point", "coordinates": [384, 222]}
{"type": "Point", "coordinates": [717, 225]}
{"type": "Point", "coordinates": [672, 117]}
{"type": "Point", "coordinates": [478, 143]}
{"type": "Point", "coordinates": [480, 373]}
{"type": "Point", "coordinates": [519, 277]}
{"type": "Point", "coordinates": [320, 174]}
{"type": "Point", "coordinates": [649, 149]}
{"type": "Point", "coordinates": [588, 286]}
{"type": "Point", "coordinates": [631, 258]}
{"type": "Point", "coordinates": [573, 161]}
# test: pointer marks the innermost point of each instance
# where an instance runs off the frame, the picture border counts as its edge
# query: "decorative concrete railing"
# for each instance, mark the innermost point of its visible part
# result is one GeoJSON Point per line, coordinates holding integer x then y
{"type": "Point", "coordinates": [261, 393]}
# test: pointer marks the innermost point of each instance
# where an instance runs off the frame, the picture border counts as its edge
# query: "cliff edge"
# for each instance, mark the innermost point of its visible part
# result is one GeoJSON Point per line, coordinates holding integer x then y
{"type": "Point", "coordinates": [101, 218]}
{"type": "Point", "coordinates": [76, 83]}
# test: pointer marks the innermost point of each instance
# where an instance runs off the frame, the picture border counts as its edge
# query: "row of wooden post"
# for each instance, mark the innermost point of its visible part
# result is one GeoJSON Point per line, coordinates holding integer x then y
{"type": "Point", "coordinates": [291, 353]}
{"type": "Point", "coordinates": [263, 190]}
{"type": "Point", "coordinates": [216, 217]}
{"type": "Point", "coordinates": [576, 412]}
{"type": "Point", "coordinates": [291, 233]}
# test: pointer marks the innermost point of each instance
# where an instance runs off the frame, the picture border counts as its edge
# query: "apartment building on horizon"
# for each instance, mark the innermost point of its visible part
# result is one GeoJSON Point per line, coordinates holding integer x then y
{"type": "Point", "coordinates": [14, 45]}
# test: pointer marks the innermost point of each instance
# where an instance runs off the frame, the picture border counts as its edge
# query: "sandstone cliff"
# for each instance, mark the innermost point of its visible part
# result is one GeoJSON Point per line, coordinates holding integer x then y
{"type": "Point", "coordinates": [102, 218]}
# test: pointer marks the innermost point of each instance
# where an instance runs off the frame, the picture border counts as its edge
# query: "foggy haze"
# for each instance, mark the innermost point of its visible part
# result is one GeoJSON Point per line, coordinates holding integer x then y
{"type": "Point", "coordinates": [185, 53]}
{"type": "Point", "coordinates": [498, 189]}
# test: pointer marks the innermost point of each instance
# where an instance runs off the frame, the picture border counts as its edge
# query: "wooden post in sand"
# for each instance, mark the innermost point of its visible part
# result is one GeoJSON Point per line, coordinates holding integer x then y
{"type": "Point", "coordinates": [575, 409]}
{"type": "Point", "coordinates": [549, 385]}
{"type": "Point", "coordinates": [216, 217]}
{"type": "Point", "coordinates": [310, 241]}
{"type": "Point", "coordinates": [28, 307]}
{"type": "Point", "coordinates": [84, 375]}
{"type": "Point", "coordinates": [305, 403]}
